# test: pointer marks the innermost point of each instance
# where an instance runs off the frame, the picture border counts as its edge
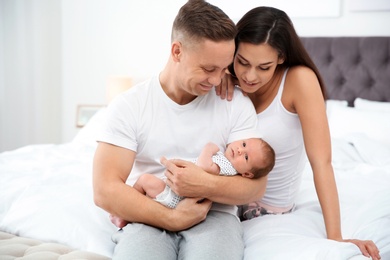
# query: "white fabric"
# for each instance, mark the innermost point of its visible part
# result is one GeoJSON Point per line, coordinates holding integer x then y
{"type": "Point", "coordinates": [369, 105]}
{"type": "Point", "coordinates": [348, 120]}
{"type": "Point", "coordinates": [141, 120]}
{"type": "Point", "coordinates": [283, 131]}
{"type": "Point", "coordinates": [365, 214]}
{"type": "Point", "coordinates": [332, 105]}
{"type": "Point", "coordinates": [46, 194]}
{"type": "Point", "coordinates": [168, 198]}
{"type": "Point", "coordinates": [370, 151]}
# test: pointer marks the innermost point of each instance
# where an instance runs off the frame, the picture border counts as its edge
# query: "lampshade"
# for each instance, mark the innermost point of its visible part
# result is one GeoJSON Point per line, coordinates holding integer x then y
{"type": "Point", "coordinates": [117, 85]}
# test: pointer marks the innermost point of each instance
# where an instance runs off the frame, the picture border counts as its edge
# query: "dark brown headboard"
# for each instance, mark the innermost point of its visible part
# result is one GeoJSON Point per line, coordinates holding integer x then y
{"type": "Point", "coordinates": [352, 66]}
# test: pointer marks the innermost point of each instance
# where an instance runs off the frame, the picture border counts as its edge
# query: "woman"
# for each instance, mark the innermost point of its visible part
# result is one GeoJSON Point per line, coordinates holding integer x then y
{"type": "Point", "coordinates": [273, 68]}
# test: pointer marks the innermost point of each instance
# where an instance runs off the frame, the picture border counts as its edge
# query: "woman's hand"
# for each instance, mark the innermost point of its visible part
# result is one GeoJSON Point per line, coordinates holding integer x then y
{"type": "Point", "coordinates": [367, 247]}
{"type": "Point", "coordinates": [226, 88]}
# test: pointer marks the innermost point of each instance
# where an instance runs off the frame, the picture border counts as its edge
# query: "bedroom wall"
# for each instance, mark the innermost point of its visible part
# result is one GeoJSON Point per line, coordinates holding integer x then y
{"type": "Point", "coordinates": [92, 40]}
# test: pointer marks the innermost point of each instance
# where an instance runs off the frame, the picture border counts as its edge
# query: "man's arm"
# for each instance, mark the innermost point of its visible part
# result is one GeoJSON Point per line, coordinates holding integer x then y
{"type": "Point", "coordinates": [111, 167]}
{"type": "Point", "coordinates": [187, 179]}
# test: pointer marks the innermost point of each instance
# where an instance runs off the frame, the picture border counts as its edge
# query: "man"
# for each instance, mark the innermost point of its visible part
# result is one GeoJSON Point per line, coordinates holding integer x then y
{"type": "Point", "coordinates": [175, 115]}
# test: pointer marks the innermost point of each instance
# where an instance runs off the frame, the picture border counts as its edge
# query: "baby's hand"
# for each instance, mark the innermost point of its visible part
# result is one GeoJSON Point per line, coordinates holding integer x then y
{"type": "Point", "coordinates": [212, 147]}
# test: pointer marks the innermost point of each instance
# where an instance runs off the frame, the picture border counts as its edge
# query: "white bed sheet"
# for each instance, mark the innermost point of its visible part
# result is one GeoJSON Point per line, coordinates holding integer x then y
{"type": "Point", "coordinates": [46, 193]}
{"type": "Point", "coordinates": [364, 192]}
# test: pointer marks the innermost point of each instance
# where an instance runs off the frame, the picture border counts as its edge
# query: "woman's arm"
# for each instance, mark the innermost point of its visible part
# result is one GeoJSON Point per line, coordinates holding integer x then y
{"type": "Point", "coordinates": [226, 88]}
{"type": "Point", "coordinates": [308, 103]}
{"type": "Point", "coordinates": [302, 88]}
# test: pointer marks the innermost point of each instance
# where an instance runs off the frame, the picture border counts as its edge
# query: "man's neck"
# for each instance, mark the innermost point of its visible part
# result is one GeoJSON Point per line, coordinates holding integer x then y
{"type": "Point", "coordinates": [173, 90]}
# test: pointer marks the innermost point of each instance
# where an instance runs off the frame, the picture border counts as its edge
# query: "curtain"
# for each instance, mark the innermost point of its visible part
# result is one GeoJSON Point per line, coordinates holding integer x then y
{"type": "Point", "coordinates": [30, 72]}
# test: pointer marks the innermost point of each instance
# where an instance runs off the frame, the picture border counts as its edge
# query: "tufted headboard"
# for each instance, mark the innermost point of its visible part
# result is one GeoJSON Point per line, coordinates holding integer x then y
{"type": "Point", "coordinates": [352, 66]}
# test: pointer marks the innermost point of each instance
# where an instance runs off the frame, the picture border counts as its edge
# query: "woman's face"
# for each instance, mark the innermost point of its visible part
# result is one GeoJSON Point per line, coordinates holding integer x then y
{"type": "Point", "coordinates": [255, 65]}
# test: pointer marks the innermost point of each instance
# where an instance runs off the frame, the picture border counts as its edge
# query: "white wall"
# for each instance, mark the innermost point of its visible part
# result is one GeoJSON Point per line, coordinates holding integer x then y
{"type": "Point", "coordinates": [104, 38]}
{"type": "Point", "coordinates": [100, 38]}
{"type": "Point", "coordinates": [349, 23]}
{"type": "Point", "coordinates": [324, 18]}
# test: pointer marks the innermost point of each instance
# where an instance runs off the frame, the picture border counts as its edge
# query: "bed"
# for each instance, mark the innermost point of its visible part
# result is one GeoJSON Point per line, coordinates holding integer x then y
{"type": "Point", "coordinates": [47, 211]}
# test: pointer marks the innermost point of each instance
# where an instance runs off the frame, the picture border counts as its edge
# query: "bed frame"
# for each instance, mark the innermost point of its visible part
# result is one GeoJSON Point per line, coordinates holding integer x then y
{"type": "Point", "coordinates": [15, 247]}
{"type": "Point", "coordinates": [352, 66]}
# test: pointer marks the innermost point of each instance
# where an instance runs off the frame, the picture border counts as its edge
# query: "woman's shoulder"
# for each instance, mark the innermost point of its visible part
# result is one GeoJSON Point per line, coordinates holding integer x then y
{"type": "Point", "coordinates": [300, 72]}
{"type": "Point", "coordinates": [299, 86]}
{"type": "Point", "coordinates": [300, 77]}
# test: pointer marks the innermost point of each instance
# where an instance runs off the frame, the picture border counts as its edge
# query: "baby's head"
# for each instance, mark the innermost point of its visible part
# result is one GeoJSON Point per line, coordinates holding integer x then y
{"type": "Point", "coordinates": [252, 158]}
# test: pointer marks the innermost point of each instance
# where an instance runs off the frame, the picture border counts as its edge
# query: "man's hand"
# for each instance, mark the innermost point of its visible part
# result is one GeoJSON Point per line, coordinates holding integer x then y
{"type": "Point", "coordinates": [185, 178]}
{"type": "Point", "coordinates": [189, 212]}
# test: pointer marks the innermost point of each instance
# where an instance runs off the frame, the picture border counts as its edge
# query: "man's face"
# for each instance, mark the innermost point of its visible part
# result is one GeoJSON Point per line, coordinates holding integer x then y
{"type": "Point", "coordinates": [202, 66]}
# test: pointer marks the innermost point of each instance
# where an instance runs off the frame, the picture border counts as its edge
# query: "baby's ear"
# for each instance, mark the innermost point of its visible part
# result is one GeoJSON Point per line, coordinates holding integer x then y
{"type": "Point", "coordinates": [248, 175]}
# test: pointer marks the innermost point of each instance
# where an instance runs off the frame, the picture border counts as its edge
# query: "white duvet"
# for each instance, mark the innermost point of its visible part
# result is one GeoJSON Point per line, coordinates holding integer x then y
{"type": "Point", "coordinates": [364, 193]}
{"type": "Point", "coordinates": [46, 193]}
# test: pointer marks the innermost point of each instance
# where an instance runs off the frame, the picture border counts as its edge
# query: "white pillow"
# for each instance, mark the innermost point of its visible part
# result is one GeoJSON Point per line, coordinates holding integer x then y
{"type": "Point", "coordinates": [347, 120]}
{"type": "Point", "coordinates": [332, 105]}
{"type": "Point", "coordinates": [369, 105]}
{"type": "Point", "coordinates": [88, 134]}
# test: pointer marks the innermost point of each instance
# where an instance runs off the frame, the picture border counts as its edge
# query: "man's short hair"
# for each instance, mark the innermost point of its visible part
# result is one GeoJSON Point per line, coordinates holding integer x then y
{"type": "Point", "coordinates": [198, 20]}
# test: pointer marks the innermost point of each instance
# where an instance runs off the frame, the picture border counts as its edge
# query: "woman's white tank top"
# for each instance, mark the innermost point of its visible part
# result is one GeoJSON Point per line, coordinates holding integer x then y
{"type": "Point", "coordinates": [283, 131]}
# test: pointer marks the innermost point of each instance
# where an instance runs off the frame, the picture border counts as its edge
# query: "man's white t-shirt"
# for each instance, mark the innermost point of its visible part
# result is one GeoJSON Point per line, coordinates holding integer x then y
{"type": "Point", "coordinates": [145, 120]}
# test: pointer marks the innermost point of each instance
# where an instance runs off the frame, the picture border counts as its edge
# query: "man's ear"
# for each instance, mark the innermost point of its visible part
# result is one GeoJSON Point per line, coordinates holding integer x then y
{"type": "Point", "coordinates": [248, 175]}
{"type": "Point", "coordinates": [176, 50]}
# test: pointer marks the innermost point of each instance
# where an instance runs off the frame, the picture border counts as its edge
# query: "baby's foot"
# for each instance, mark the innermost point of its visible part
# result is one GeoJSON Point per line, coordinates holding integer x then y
{"type": "Point", "coordinates": [117, 221]}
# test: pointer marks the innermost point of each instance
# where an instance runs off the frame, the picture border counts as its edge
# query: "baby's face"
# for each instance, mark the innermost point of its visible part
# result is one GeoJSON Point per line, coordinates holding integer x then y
{"type": "Point", "coordinates": [244, 154]}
